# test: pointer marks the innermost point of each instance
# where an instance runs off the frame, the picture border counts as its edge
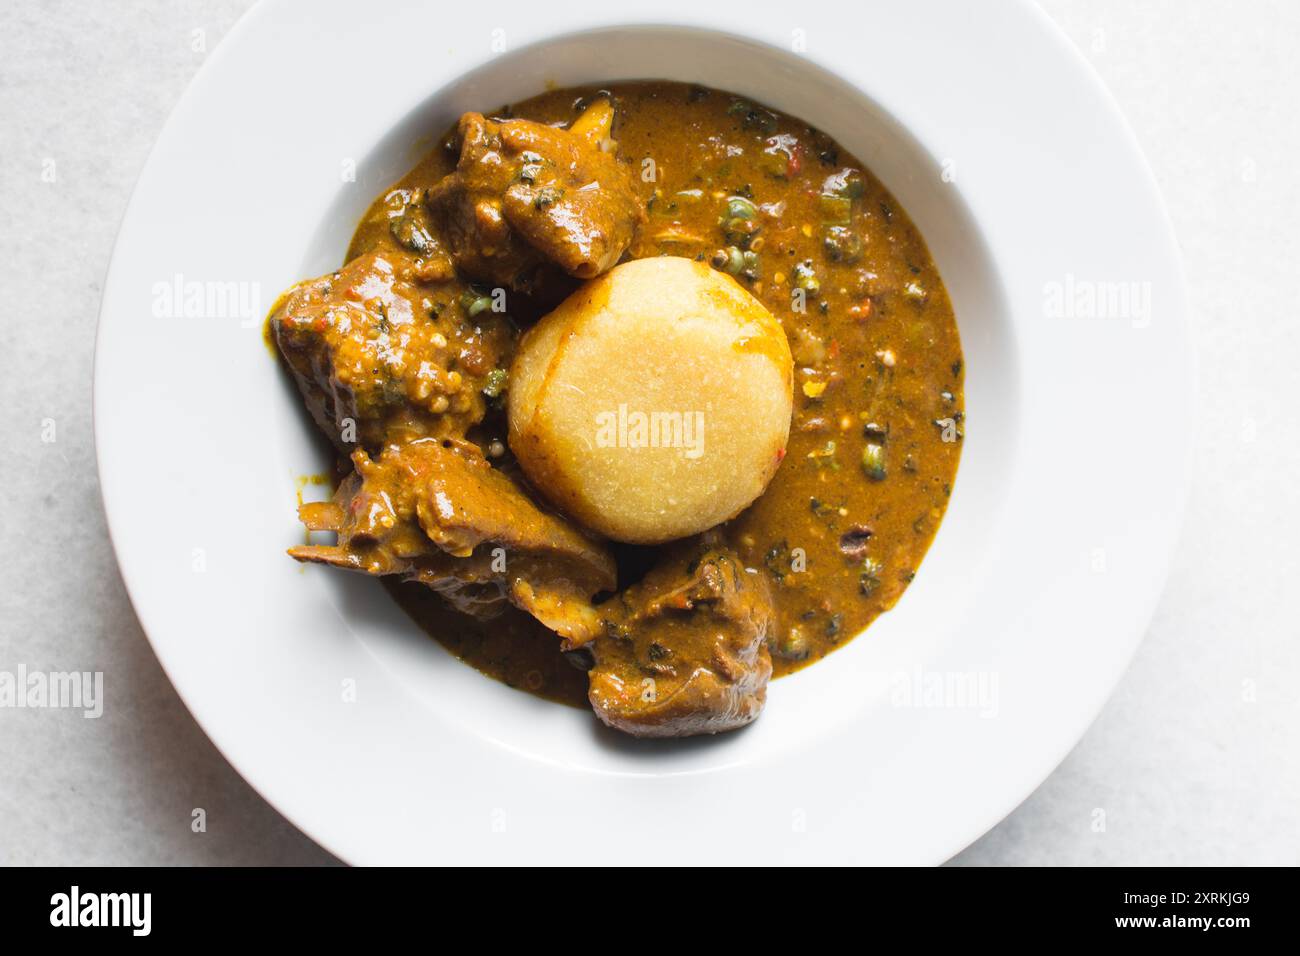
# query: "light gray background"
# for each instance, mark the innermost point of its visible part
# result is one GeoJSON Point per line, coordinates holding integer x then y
{"type": "Point", "coordinates": [1196, 759]}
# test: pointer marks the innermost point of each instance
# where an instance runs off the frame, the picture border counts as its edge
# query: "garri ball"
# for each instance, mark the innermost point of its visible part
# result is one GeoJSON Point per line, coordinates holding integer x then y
{"type": "Point", "coordinates": [654, 402]}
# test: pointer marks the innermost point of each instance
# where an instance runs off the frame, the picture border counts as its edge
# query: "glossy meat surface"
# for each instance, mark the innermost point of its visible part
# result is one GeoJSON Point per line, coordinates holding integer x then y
{"type": "Point", "coordinates": [527, 199]}
{"type": "Point", "coordinates": [372, 361]}
{"type": "Point", "coordinates": [875, 435]}
{"type": "Point", "coordinates": [434, 511]}
{"type": "Point", "coordinates": [684, 651]}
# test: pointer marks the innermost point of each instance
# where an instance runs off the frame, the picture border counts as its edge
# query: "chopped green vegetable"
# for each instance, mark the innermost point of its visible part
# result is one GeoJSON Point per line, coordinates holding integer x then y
{"type": "Point", "coordinates": [847, 183]}
{"type": "Point", "coordinates": [409, 233]}
{"type": "Point", "coordinates": [835, 210]}
{"type": "Point", "coordinates": [495, 383]}
{"type": "Point", "coordinates": [778, 561]}
{"type": "Point", "coordinates": [475, 302]}
{"type": "Point", "coordinates": [873, 461]}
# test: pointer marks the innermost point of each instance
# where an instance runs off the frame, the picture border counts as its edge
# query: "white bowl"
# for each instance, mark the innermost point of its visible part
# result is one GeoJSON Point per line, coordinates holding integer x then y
{"type": "Point", "coordinates": [1027, 186]}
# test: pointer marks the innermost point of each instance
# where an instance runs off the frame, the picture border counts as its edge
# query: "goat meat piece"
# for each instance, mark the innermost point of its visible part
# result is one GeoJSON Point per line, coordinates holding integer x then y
{"type": "Point", "coordinates": [684, 651]}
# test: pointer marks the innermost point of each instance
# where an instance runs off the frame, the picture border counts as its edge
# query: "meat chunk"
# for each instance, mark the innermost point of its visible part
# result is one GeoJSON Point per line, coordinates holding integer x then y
{"type": "Point", "coordinates": [685, 650]}
{"type": "Point", "coordinates": [436, 512]}
{"type": "Point", "coordinates": [552, 570]}
{"type": "Point", "coordinates": [527, 198]}
{"type": "Point", "coordinates": [373, 518]}
{"type": "Point", "coordinates": [373, 363]}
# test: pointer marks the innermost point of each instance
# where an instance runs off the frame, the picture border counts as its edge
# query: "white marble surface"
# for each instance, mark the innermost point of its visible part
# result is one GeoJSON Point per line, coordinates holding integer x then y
{"type": "Point", "coordinates": [1196, 759]}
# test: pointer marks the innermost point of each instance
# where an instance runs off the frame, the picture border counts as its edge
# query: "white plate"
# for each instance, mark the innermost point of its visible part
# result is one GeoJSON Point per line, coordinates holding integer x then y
{"type": "Point", "coordinates": [1029, 188]}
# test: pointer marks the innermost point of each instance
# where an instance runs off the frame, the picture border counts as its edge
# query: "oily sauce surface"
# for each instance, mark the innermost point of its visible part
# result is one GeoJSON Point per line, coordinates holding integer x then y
{"type": "Point", "coordinates": [878, 413]}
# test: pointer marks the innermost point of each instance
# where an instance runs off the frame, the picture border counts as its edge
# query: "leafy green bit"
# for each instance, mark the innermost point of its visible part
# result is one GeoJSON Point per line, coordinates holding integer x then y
{"type": "Point", "coordinates": [873, 461]}
{"type": "Point", "coordinates": [409, 232]}
{"type": "Point", "coordinates": [835, 210]}
{"type": "Point", "coordinates": [777, 560]}
{"type": "Point", "coordinates": [495, 383]}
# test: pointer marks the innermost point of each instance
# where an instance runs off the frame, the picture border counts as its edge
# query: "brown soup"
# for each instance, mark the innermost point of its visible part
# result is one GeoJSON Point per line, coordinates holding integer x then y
{"type": "Point", "coordinates": [878, 416]}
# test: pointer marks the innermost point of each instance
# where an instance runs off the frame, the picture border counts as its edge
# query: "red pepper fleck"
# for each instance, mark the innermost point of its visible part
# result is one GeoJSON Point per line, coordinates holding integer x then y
{"type": "Point", "coordinates": [795, 162]}
{"type": "Point", "coordinates": [862, 311]}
